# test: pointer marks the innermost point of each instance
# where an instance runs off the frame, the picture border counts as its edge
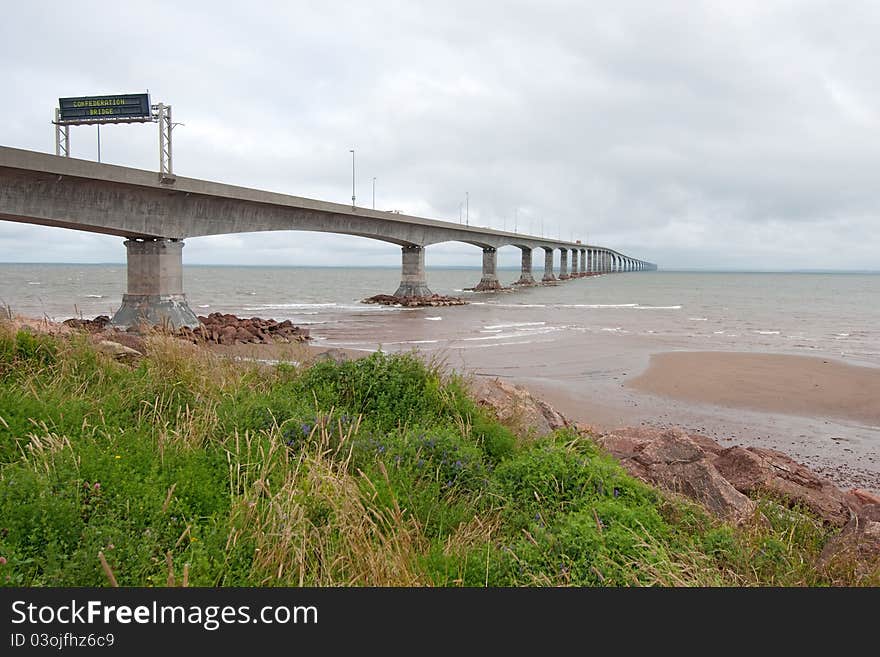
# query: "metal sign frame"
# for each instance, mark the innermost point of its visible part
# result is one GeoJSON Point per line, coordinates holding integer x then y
{"type": "Point", "coordinates": [159, 113]}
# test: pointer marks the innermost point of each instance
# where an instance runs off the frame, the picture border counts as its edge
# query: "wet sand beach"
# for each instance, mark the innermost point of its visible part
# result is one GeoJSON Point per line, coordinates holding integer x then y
{"type": "Point", "coordinates": [771, 383]}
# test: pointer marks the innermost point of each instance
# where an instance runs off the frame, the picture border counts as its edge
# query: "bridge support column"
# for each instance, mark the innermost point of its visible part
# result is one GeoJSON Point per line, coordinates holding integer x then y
{"type": "Point", "coordinates": [583, 262]}
{"type": "Point", "coordinates": [155, 286]}
{"type": "Point", "coordinates": [574, 273]}
{"type": "Point", "coordinates": [489, 281]}
{"type": "Point", "coordinates": [563, 264]}
{"type": "Point", "coordinates": [548, 265]}
{"type": "Point", "coordinates": [526, 278]}
{"type": "Point", "coordinates": [413, 282]}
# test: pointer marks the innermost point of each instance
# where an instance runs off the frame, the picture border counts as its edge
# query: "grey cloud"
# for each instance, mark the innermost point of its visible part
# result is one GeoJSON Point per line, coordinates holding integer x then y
{"type": "Point", "coordinates": [700, 134]}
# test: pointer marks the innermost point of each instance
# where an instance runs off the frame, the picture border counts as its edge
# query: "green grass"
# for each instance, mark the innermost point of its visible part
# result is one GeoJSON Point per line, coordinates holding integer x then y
{"type": "Point", "coordinates": [379, 471]}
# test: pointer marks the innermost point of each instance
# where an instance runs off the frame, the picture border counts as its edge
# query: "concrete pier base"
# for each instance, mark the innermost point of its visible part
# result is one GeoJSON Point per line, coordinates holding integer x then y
{"type": "Point", "coordinates": [548, 266]}
{"type": "Point", "coordinates": [155, 286]}
{"type": "Point", "coordinates": [489, 281]}
{"type": "Point", "coordinates": [563, 265]}
{"type": "Point", "coordinates": [413, 282]}
{"type": "Point", "coordinates": [526, 278]}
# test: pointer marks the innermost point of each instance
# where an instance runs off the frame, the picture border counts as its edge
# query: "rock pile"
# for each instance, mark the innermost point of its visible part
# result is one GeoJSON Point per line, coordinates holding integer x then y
{"type": "Point", "coordinates": [415, 302]}
{"type": "Point", "coordinates": [91, 325]}
{"type": "Point", "coordinates": [216, 328]}
{"type": "Point", "coordinates": [220, 328]}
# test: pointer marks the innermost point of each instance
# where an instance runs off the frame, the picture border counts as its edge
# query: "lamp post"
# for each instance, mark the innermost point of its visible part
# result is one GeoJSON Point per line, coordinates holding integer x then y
{"type": "Point", "coordinates": [467, 209]}
{"type": "Point", "coordinates": [352, 178]}
{"type": "Point", "coordinates": [374, 192]}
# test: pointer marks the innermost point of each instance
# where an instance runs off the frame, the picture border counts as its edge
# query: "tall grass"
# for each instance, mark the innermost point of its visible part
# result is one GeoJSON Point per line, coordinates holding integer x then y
{"type": "Point", "coordinates": [380, 471]}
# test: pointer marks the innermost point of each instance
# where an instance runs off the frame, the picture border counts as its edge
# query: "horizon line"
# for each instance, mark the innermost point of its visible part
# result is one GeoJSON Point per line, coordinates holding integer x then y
{"type": "Point", "coordinates": [716, 270]}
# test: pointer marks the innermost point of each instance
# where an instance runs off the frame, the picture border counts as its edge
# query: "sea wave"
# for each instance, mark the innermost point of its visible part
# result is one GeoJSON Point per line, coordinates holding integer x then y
{"type": "Point", "coordinates": [94, 296]}
{"type": "Point", "coordinates": [413, 342]}
{"type": "Point", "coordinates": [514, 325]}
{"type": "Point", "coordinates": [522, 332]}
{"type": "Point", "coordinates": [596, 305]}
{"type": "Point", "coordinates": [282, 306]}
{"type": "Point", "coordinates": [521, 305]}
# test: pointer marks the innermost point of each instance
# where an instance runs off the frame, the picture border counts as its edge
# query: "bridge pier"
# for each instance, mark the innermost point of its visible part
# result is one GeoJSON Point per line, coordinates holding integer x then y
{"type": "Point", "coordinates": [413, 282]}
{"type": "Point", "coordinates": [526, 278]}
{"type": "Point", "coordinates": [563, 265]}
{"type": "Point", "coordinates": [584, 271]}
{"type": "Point", "coordinates": [489, 281]}
{"type": "Point", "coordinates": [155, 286]}
{"type": "Point", "coordinates": [548, 265]}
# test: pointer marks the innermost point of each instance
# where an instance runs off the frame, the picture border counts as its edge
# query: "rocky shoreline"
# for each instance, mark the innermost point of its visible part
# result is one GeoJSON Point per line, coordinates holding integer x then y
{"type": "Point", "coordinates": [722, 480]}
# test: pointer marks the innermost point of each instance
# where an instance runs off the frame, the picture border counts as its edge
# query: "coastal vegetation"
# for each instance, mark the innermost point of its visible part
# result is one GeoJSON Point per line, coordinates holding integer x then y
{"type": "Point", "coordinates": [185, 467]}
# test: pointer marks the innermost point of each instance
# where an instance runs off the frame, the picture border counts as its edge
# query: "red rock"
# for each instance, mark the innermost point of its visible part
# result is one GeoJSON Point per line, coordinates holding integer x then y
{"type": "Point", "coordinates": [516, 407]}
{"type": "Point", "coordinates": [756, 470]}
{"type": "Point", "coordinates": [853, 552]}
{"type": "Point", "coordinates": [677, 462]}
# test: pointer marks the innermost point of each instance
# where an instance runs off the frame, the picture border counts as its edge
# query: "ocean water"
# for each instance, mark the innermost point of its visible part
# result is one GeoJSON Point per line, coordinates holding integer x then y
{"type": "Point", "coordinates": [834, 315]}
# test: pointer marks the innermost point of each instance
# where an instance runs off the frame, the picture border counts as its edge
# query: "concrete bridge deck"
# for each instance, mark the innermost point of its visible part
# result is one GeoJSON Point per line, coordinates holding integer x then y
{"type": "Point", "coordinates": [156, 217]}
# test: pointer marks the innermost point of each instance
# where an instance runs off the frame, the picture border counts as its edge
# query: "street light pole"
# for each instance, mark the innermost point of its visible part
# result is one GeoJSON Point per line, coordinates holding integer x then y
{"type": "Point", "coordinates": [467, 211]}
{"type": "Point", "coordinates": [352, 178]}
{"type": "Point", "coordinates": [374, 192]}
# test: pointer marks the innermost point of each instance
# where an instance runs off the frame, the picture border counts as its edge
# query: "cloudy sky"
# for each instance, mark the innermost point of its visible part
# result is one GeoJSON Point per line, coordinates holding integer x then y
{"type": "Point", "coordinates": [730, 134]}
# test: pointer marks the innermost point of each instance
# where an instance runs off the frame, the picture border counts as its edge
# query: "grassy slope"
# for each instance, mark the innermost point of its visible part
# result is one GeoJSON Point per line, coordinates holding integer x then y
{"type": "Point", "coordinates": [375, 472]}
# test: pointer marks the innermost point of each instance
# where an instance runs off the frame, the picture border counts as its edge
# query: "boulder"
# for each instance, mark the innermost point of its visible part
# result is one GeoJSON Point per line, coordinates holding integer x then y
{"type": "Point", "coordinates": [855, 551]}
{"type": "Point", "coordinates": [864, 504]}
{"type": "Point", "coordinates": [678, 462]}
{"type": "Point", "coordinates": [755, 470]}
{"type": "Point", "coordinates": [516, 408]}
{"type": "Point", "coordinates": [118, 351]}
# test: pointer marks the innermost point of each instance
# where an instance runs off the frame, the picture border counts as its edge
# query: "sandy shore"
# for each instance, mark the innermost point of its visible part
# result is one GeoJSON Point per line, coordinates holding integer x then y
{"type": "Point", "coordinates": [771, 383]}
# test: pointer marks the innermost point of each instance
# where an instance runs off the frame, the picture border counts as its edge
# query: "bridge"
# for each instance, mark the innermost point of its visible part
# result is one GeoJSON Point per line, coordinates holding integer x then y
{"type": "Point", "coordinates": [155, 215]}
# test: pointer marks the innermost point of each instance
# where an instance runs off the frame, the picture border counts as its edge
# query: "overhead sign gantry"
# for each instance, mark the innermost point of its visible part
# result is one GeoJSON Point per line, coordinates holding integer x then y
{"type": "Point", "coordinates": [115, 108]}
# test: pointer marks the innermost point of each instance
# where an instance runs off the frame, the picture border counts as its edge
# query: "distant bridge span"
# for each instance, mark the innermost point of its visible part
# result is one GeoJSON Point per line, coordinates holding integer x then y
{"type": "Point", "coordinates": [156, 217]}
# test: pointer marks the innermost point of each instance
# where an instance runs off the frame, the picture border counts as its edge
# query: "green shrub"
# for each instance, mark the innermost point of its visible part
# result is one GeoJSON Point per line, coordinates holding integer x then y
{"type": "Point", "coordinates": [378, 471]}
